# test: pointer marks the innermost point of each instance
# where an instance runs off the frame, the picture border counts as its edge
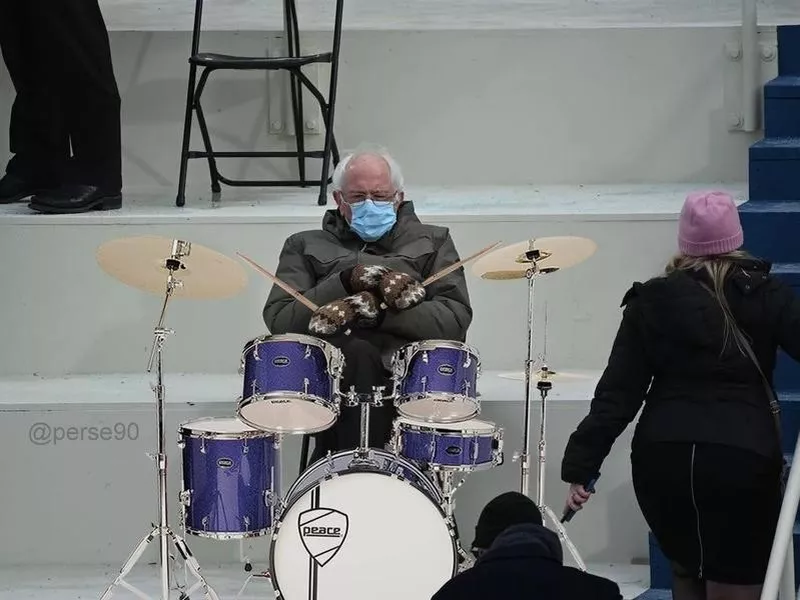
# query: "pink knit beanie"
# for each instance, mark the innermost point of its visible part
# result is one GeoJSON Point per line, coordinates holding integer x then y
{"type": "Point", "coordinates": [709, 224]}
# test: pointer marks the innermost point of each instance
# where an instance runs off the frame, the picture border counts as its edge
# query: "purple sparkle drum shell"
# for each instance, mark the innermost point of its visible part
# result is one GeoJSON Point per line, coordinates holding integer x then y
{"type": "Point", "coordinates": [468, 445]}
{"type": "Point", "coordinates": [230, 478]}
{"type": "Point", "coordinates": [439, 382]}
{"type": "Point", "coordinates": [290, 384]}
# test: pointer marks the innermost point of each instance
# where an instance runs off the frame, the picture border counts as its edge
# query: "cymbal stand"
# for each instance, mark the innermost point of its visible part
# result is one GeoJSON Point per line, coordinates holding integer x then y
{"type": "Point", "coordinates": [544, 386]}
{"type": "Point", "coordinates": [531, 256]}
{"type": "Point", "coordinates": [162, 530]}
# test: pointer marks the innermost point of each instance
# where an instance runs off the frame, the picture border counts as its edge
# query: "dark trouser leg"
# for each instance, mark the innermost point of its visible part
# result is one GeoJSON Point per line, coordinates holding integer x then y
{"type": "Point", "coordinates": [363, 370]}
{"type": "Point", "coordinates": [38, 137]}
{"type": "Point", "coordinates": [78, 48]}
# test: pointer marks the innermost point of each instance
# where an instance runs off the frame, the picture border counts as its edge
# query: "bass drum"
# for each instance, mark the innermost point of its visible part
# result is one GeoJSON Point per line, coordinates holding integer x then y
{"type": "Point", "coordinates": [362, 531]}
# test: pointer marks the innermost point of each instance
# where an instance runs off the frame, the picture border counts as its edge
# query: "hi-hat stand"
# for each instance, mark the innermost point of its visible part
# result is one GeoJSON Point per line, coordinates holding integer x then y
{"type": "Point", "coordinates": [162, 530]}
{"type": "Point", "coordinates": [532, 256]}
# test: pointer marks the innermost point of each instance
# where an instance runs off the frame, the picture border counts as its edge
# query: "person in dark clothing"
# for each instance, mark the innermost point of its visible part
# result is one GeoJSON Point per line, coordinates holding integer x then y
{"type": "Point", "coordinates": [372, 249]}
{"type": "Point", "coordinates": [518, 558]}
{"type": "Point", "coordinates": [65, 121]}
{"type": "Point", "coordinates": [697, 346]}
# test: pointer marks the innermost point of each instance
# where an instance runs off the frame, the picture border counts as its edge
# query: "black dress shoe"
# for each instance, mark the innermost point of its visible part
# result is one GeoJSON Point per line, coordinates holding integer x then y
{"type": "Point", "coordinates": [76, 198]}
{"type": "Point", "coordinates": [15, 189]}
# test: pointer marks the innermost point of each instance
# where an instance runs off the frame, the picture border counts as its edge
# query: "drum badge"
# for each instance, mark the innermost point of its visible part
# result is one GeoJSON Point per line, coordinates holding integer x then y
{"type": "Point", "coordinates": [322, 531]}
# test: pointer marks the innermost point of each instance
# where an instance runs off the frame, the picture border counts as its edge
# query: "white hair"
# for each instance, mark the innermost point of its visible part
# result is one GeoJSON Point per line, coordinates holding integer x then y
{"type": "Point", "coordinates": [340, 171]}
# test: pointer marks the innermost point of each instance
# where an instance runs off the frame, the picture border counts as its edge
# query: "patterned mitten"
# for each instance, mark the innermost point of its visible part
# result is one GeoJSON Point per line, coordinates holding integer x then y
{"type": "Point", "coordinates": [361, 310]}
{"type": "Point", "coordinates": [366, 278]}
{"type": "Point", "coordinates": [401, 291]}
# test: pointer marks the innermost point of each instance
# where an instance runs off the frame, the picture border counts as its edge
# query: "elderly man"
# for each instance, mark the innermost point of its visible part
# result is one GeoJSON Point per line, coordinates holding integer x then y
{"type": "Point", "coordinates": [371, 252]}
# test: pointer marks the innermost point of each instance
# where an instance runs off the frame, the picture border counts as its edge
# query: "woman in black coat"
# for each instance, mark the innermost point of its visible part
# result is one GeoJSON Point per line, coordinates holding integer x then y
{"type": "Point", "coordinates": [697, 346]}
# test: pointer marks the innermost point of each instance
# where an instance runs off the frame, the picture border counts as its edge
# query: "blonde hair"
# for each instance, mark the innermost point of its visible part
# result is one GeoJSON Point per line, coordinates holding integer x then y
{"type": "Point", "coordinates": [718, 268]}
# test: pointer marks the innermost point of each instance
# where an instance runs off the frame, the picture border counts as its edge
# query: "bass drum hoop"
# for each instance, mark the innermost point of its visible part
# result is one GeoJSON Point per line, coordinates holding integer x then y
{"type": "Point", "coordinates": [291, 501]}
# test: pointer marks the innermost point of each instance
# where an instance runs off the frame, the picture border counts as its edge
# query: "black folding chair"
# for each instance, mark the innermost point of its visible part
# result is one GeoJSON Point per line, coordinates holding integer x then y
{"type": "Point", "coordinates": [207, 63]}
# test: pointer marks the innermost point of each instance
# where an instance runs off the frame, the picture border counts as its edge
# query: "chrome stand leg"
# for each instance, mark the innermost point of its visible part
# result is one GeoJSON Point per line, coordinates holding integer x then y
{"type": "Point", "coordinates": [524, 454]}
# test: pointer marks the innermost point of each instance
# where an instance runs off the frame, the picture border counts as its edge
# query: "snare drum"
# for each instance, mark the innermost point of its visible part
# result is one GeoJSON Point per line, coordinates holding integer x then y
{"type": "Point", "coordinates": [230, 478]}
{"type": "Point", "coordinates": [349, 528]}
{"type": "Point", "coordinates": [472, 445]}
{"type": "Point", "coordinates": [291, 384]}
{"type": "Point", "coordinates": [436, 381]}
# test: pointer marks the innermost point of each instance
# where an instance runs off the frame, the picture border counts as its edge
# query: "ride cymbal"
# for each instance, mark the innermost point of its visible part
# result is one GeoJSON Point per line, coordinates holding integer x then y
{"type": "Point", "coordinates": [542, 374]}
{"type": "Point", "coordinates": [553, 254]}
{"type": "Point", "coordinates": [141, 262]}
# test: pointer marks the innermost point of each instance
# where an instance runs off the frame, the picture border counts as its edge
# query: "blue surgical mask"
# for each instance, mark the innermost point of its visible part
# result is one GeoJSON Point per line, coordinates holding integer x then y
{"type": "Point", "coordinates": [372, 220]}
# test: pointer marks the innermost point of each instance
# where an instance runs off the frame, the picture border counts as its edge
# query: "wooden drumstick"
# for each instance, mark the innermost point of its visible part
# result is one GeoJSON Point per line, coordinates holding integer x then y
{"type": "Point", "coordinates": [447, 270]}
{"type": "Point", "coordinates": [281, 284]}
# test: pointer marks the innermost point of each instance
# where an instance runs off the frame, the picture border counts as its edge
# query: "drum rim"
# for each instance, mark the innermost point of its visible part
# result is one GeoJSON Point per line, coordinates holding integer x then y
{"type": "Point", "coordinates": [301, 338]}
{"type": "Point", "coordinates": [331, 406]}
{"type": "Point", "coordinates": [235, 535]}
{"type": "Point", "coordinates": [431, 426]}
{"type": "Point", "coordinates": [185, 431]}
{"type": "Point", "coordinates": [278, 520]}
{"type": "Point", "coordinates": [435, 343]}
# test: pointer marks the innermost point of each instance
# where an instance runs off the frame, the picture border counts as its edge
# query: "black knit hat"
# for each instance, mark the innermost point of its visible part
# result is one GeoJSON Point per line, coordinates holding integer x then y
{"type": "Point", "coordinates": [511, 508]}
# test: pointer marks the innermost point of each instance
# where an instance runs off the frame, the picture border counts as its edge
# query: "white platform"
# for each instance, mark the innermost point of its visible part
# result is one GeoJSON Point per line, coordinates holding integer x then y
{"type": "Point", "coordinates": [59, 583]}
{"type": "Point", "coordinates": [442, 205]}
{"type": "Point", "coordinates": [109, 391]}
{"type": "Point", "coordinates": [159, 15]}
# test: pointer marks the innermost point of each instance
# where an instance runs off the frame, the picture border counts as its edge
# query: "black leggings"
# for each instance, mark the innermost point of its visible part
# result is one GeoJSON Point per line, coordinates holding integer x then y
{"type": "Point", "coordinates": [712, 508]}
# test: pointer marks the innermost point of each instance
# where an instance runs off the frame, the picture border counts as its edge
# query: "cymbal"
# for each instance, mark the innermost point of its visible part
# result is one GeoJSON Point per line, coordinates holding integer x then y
{"type": "Point", "coordinates": [140, 262]}
{"type": "Point", "coordinates": [550, 375]}
{"type": "Point", "coordinates": [556, 253]}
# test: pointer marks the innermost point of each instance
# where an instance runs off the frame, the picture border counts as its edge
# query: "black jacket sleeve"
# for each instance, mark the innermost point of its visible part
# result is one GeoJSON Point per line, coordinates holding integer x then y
{"type": "Point", "coordinates": [446, 312]}
{"type": "Point", "coordinates": [617, 399]}
{"type": "Point", "coordinates": [282, 313]}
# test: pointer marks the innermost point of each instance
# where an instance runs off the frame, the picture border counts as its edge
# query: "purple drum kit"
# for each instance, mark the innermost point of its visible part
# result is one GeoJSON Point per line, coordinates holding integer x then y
{"type": "Point", "coordinates": [328, 531]}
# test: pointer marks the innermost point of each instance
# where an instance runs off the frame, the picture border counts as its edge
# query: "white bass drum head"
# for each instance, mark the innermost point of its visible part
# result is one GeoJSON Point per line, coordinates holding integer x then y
{"type": "Point", "coordinates": [362, 536]}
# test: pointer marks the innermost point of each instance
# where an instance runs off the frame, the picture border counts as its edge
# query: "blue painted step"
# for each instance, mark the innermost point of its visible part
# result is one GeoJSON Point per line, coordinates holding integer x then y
{"type": "Point", "coordinates": [775, 169]}
{"type": "Point", "coordinates": [789, 50]}
{"type": "Point", "coordinates": [771, 229]}
{"type": "Point", "coordinates": [790, 419]}
{"type": "Point", "coordinates": [782, 107]}
{"type": "Point", "coordinates": [655, 595]}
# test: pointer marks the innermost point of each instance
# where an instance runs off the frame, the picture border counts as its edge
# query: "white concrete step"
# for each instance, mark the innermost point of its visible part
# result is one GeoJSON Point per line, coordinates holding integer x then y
{"type": "Point", "coordinates": [166, 15]}
{"type": "Point", "coordinates": [64, 316]}
{"type": "Point", "coordinates": [220, 391]}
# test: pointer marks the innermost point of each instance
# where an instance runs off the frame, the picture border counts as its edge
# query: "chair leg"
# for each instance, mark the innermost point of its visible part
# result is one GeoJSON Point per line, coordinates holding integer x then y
{"type": "Point", "coordinates": [187, 134]}
{"type": "Point", "coordinates": [293, 42]}
{"type": "Point", "coordinates": [201, 121]}
{"type": "Point", "coordinates": [337, 43]}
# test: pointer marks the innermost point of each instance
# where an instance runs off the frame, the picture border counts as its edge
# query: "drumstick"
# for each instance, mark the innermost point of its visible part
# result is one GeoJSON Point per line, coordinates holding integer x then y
{"type": "Point", "coordinates": [284, 286]}
{"type": "Point", "coordinates": [454, 266]}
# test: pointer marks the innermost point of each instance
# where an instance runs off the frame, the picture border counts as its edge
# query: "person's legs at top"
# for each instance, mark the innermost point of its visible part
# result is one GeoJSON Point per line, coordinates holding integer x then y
{"type": "Point", "coordinates": [363, 370]}
{"type": "Point", "coordinates": [38, 138]}
{"type": "Point", "coordinates": [79, 46]}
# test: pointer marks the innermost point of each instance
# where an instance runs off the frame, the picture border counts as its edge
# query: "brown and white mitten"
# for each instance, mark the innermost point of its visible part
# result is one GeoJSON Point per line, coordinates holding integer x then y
{"type": "Point", "coordinates": [366, 307]}
{"type": "Point", "coordinates": [401, 291]}
{"type": "Point", "coordinates": [330, 319]}
{"type": "Point", "coordinates": [366, 278]}
{"type": "Point", "coordinates": [360, 310]}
